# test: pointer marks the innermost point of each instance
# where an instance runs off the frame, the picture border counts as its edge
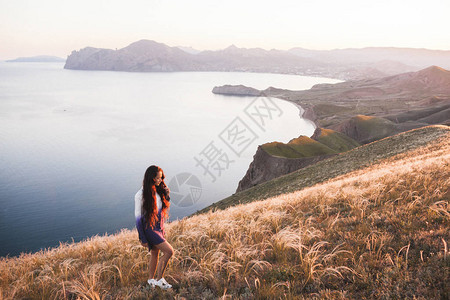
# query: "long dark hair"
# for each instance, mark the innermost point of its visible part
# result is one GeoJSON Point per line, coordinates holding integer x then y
{"type": "Point", "coordinates": [149, 206]}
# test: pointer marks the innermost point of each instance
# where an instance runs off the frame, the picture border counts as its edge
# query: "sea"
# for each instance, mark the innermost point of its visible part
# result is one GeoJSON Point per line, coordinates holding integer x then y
{"type": "Point", "coordinates": [74, 145]}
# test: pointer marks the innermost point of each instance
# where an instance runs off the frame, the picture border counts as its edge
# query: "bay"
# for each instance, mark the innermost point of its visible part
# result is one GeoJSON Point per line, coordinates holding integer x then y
{"type": "Point", "coordinates": [75, 144]}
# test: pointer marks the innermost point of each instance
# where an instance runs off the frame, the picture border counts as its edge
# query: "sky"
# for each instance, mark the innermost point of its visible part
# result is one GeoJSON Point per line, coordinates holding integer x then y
{"type": "Point", "coordinates": [57, 27]}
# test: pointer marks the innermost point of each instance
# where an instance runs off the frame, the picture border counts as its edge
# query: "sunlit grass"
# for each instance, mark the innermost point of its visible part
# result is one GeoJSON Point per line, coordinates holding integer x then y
{"type": "Point", "coordinates": [379, 232]}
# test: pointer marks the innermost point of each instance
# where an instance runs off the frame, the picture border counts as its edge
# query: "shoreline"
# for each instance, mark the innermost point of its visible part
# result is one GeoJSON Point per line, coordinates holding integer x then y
{"type": "Point", "coordinates": [301, 110]}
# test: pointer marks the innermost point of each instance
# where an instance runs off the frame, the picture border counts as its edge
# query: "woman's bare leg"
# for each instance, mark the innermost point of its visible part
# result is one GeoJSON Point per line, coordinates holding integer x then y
{"type": "Point", "coordinates": [154, 253]}
{"type": "Point", "coordinates": [167, 251]}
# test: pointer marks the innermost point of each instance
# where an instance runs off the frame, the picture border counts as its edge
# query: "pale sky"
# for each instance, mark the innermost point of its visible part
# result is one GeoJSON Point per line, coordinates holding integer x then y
{"type": "Point", "coordinates": [56, 27]}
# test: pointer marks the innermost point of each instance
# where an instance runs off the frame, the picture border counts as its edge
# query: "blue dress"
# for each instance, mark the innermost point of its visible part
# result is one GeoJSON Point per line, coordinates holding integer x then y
{"type": "Point", "coordinates": [149, 235]}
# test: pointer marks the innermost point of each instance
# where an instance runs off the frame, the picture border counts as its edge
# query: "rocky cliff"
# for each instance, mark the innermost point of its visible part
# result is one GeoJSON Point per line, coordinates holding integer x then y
{"type": "Point", "coordinates": [265, 167]}
{"type": "Point", "coordinates": [142, 56]}
{"type": "Point", "coordinates": [276, 159]}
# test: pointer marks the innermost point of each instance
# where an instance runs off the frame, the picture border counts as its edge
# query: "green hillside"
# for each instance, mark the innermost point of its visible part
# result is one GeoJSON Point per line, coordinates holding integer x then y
{"type": "Point", "coordinates": [372, 125]}
{"type": "Point", "coordinates": [336, 140]}
{"type": "Point", "coordinates": [366, 129]}
{"type": "Point", "coordinates": [302, 146]}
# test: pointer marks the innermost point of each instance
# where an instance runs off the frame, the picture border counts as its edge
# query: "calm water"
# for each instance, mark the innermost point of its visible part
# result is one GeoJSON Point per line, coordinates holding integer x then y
{"type": "Point", "coordinates": [75, 144]}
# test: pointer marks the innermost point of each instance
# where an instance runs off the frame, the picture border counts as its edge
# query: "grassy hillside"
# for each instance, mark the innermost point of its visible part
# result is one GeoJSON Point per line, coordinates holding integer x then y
{"type": "Point", "coordinates": [372, 125]}
{"type": "Point", "coordinates": [326, 142]}
{"type": "Point", "coordinates": [380, 232]}
{"type": "Point", "coordinates": [343, 163]}
{"type": "Point", "coordinates": [302, 146]}
{"type": "Point", "coordinates": [335, 140]}
{"type": "Point", "coordinates": [366, 129]}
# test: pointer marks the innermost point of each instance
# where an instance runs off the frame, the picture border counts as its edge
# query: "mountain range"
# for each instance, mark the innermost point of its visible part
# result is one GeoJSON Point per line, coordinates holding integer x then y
{"type": "Point", "coordinates": [345, 64]}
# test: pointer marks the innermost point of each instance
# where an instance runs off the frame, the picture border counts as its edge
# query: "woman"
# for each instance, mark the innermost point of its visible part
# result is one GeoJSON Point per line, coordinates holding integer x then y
{"type": "Point", "coordinates": [151, 209]}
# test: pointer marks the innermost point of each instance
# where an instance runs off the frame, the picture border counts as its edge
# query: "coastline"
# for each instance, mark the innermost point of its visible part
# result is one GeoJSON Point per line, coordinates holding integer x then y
{"type": "Point", "coordinates": [362, 112]}
{"type": "Point", "coordinates": [301, 111]}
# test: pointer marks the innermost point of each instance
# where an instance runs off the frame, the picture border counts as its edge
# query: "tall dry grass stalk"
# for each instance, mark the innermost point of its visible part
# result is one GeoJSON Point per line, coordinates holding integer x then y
{"type": "Point", "coordinates": [381, 232]}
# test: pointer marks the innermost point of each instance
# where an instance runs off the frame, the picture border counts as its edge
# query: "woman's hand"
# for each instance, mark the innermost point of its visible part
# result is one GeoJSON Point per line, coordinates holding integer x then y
{"type": "Point", "coordinates": [144, 245]}
{"type": "Point", "coordinates": [166, 189]}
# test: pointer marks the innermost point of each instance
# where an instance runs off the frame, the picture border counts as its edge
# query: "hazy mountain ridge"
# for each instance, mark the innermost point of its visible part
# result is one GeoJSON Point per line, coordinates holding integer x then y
{"type": "Point", "coordinates": [330, 104]}
{"type": "Point", "coordinates": [150, 56]}
{"type": "Point", "coordinates": [419, 58]}
{"type": "Point", "coordinates": [39, 58]}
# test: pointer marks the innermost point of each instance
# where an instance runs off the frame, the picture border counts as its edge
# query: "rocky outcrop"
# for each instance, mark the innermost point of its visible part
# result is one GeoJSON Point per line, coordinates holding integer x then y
{"type": "Point", "coordinates": [142, 56]}
{"type": "Point", "coordinates": [276, 159]}
{"type": "Point", "coordinates": [265, 167]}
{"type": "Point", "coordinates": [236, 90]}
{"type": "Point", "coordinates": [310, 114]}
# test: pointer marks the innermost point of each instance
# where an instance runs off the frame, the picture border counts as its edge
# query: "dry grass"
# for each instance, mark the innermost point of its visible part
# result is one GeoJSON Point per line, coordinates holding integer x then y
{"type": "Point", "coordinates": [381, 232]}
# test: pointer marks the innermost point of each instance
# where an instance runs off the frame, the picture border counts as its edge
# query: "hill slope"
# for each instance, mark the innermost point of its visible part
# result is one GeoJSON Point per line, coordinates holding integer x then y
{"type": "Point", "coordinates": [366, 129]}
{"type": "Point", "coordinates": [302, 146]}
{"type": "Point", "coordinates": [343, 163]}
{"type": "Point", "coordinates": [335, 140]}
{"type": "Point", "coordinates": [380, 232]}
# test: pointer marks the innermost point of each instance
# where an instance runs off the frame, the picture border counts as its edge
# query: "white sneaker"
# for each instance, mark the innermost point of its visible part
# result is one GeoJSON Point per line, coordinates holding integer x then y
{"type": "Point", "coordinates": [152, 282]}
{"type": "Point", "coordinates": [162, 283]}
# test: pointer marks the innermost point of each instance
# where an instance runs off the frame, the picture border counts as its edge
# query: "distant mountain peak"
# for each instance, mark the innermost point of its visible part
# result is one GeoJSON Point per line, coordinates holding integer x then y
{"type": "Point", "coordinates": [231, 47]}
{"type": "Point", "coordinates": [189, 50]}
{"type": "Point", "coordinates": [145, 43]}
{"type": "Point", "coordinates": [435, 70]}
{"type": "Point", "coordinates": [434, 76]}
